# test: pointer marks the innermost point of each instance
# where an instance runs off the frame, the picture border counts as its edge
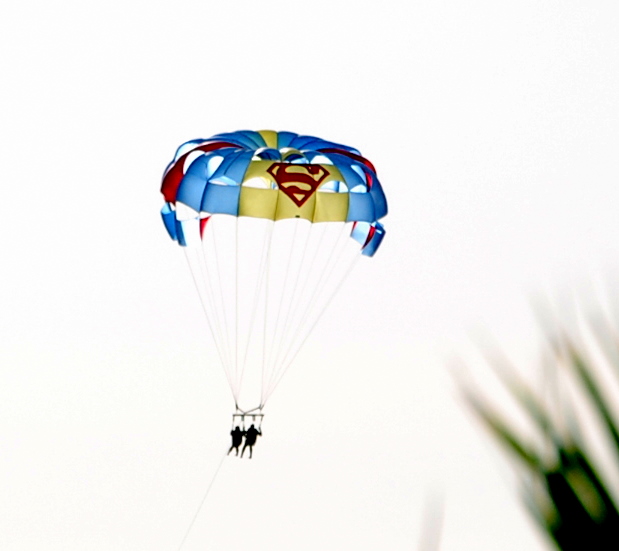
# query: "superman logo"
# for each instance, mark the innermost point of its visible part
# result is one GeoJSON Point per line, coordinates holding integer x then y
{"type": "Point", "coordinates": [298, 182]}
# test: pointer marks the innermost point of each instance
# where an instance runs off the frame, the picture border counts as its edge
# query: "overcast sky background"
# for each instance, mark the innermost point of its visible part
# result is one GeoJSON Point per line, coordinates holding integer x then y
{"type": "Point", "coordinates": [494, 127]}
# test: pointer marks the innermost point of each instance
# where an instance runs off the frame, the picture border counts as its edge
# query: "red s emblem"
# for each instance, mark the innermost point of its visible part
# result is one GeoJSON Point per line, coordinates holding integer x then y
{"type": "Point", "coordinates": [298, 182]}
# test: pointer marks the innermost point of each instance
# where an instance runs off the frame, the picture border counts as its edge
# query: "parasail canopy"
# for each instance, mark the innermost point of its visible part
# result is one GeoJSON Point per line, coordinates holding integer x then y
{"type": "Point", "coordinates": [271, 224]}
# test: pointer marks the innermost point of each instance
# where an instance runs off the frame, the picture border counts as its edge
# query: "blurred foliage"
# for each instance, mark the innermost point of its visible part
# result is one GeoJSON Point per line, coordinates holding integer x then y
{"type": "Point", "coordinates": [567, 486]}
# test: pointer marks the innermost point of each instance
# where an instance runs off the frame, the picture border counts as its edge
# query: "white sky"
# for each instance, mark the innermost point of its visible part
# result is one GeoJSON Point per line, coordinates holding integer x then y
{"type": "Point", "coordinates": [494, 127]}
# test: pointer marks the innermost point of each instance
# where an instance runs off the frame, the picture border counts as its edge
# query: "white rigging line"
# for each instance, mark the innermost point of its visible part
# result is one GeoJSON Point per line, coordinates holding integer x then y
{"type": "Point", "coordinates": [236, 307]}
{"type": "Point", "coordinates": [213, 326]}
{"type": "Point", "coordinates": [288, 362]}
{"type": "Point", "coordinates": [209, 284]}
{"type": "Point", "coordinates": [284, 288]}
{"type": "Point", "coordinates": [314, 311]}
{"type": "Point", "coordinates": [195, 516]}
{"type": "Point", "coordinates": [286, 296]}
{"type": "Point", "coordinates": [293, 326]}
{"type": "Point", "coordinates": [332, 261]}
{"type": "Point", "coordinates": [292, 299]}
{"type": "Point", "coordinates": [267, 276]}
{"type": "Point", "coordinates": [257, 295]}
{"type": "Point", "coordinates": [228, 346]}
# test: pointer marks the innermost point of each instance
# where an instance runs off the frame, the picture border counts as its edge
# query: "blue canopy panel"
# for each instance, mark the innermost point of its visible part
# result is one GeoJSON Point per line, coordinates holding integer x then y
{"type": "Point", "coordinates": [317, 158]}
{"type": "Point", "coordinates": [284, 139]}
{"type": "Point", "coordinates": [369, 236]}
{"type": "Point", "coordinates": [221, 199]}
{"type": "Point", "coordinates": [169, 220]}
{"type": "Point", "coordinates": [188, 231]}
{"type": "Point", "coordinates": [375, 240]}
{"type": "Point", "coordinates": [232, 169]}
{"type": "Point", "coordinates": [192, 186]}
{"type": "Point", "coordinates": [225, 167]}
{"type": "Point", "coordinates": [269, 154]}
{"type": "Point", "coordinates": [379, 199]}
{"type": "Point", "coordinates": [361, 208]}
{"type": "Point", "coordinates": [310, 142]}
{"type": "Point", "coordinates": [297, 158]}
{"type": "Point", "coordinates": [187, 146]}
{"type": "Point", "coordinates": [245, 138]}
{"type": "Point", "coordinates": [354, 180]}
{"type": "Point", "coordinates": [305, 143]}
{"type": "Point", "coordinates": [255, 137]}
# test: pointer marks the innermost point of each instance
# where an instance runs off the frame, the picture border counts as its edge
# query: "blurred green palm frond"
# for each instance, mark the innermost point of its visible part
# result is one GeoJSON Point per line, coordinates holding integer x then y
{"type": "Point", "coordinates": [567, 460]}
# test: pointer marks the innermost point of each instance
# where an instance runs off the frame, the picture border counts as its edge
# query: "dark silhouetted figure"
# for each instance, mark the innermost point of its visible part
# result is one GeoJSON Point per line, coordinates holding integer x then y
{"type": "Point", "coordinates": [250, 439]}
{"type": "Point", "coordinates": [237, 437]}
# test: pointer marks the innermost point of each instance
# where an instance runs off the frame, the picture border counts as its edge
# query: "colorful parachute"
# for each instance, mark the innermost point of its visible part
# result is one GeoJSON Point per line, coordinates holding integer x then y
{"type": "Point", "coordinates": [271, 224]}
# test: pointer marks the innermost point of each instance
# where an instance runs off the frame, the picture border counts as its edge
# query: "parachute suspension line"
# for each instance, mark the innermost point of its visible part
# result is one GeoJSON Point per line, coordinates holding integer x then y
{"type": "Point", "coordinates": [317, 250]}
{"type": "Point", "coordinates": [315, 307]}
{"type": "Point", "coordinates": [285, 287]}
{"type": "Point", "coordinates": [330, 276]}
{"type": "Point", "coordinates": [254, 310]}
{"type": "Point", "coordinates": [333, 254]}
{"type": "Point", "coordinates": [209, 283]}
{"type": "Point", "coordinates": [223, 308]}
{"type": "Point", "coordinates": [237, 382]}
{"type": "Point", "coordinates": [332, 261]}
{"type": "Point", "coordinates": [292, 302]}
{"type": "Point", "coordinates": [288, 362]}
{"type": "Point", "coordinates": [322, 284]}
{"type": "Point", "coordinates": [307, 276]}
{"type": "Point", "coordinates": [266, 309]}
{"type": "Point", "coordinates": [296, 324]}
{"type": "Point", "coordinates": [296, 303]}
{"type": "Point", "coordinates": [279, 308]}
{"type": "Point", "coordinates": [208, 489]}
{"type": "Point", "coordinates": [204, 305]}
{"type": "Point", "coordinates": [248, 287]}
{"type": "Point", "coordinates": [213, 277]}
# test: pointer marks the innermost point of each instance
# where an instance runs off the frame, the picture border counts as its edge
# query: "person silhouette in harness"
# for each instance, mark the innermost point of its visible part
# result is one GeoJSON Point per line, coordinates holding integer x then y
{"type": "Point", "coordinates": [237, 437]}
{"type": "Point", "coordinates": [251, 435]}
